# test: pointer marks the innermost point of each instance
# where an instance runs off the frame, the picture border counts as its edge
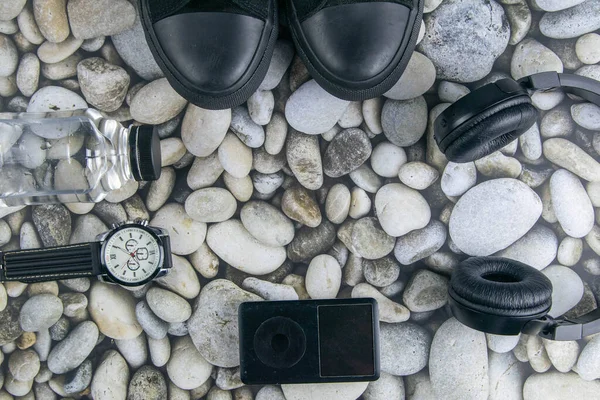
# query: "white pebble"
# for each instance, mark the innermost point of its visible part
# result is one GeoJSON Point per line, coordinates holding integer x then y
{"type": "Point", "coordinates": [323, 277]}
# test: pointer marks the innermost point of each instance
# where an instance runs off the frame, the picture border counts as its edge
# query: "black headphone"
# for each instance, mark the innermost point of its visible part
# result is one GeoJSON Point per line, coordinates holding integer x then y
{"type": "Point", "coordinates": [494, 115]}
{"type": "Point", "coordinates": [505, 297]}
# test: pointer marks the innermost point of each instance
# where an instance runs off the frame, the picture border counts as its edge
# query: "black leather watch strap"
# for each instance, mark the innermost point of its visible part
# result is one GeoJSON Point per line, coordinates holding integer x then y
{"type": "Point", "coordinates": [64, 262]}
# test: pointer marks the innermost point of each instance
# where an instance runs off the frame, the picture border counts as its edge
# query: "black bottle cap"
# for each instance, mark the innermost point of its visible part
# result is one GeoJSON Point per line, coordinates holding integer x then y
{"type": "Point", "coordinates": [144, 153]}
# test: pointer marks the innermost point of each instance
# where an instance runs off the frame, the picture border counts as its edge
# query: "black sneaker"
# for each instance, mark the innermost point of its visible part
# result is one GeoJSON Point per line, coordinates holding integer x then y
{"type": "Point", "coordinates": [355, 49]}
{"type": "Point", "coordinates": [215, 53]}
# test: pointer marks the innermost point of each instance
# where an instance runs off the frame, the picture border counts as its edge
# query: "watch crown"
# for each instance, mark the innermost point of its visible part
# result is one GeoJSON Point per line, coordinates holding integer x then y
{"type": "Point", "coordinates": [142, 222]}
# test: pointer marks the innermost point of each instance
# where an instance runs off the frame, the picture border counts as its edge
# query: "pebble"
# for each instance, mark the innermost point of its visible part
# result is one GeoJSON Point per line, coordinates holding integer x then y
{"type": "Point", "coordinates": [103, 85]}
{"type": "Point", "coordinates": [337, 205]}
{"type": "Point", "coordinates": [480, 227]}
{"type": "Point", "coordinates": [89, 19]}
{"type": "Point", "coordinates": [370, 241]}
{"type": "Point", "coordinates": [210, 205]}
{"type": "Point", "coordinates": [182, 279]}
{"type": "Point", "coordinates": [567, 289]}
{"type": "Point", "coordinates": [386, 385]}
{"type": "Point", "coordinates": [268, 290]}
{"type": "Point", "coordinates": [588, 48]}
{"type": "Point", "coordinates": [111, 377]}
{"type": "Point", "coordinates": [586, 115]}
{"type": "Point", "coordinates": [154, 327]}
{"type": "Point", "coordinates": [532, 57]}
{"type": "Point", "coordinates": [123, 193]}
{"type": "Point", "coordinates": [484, 36]}
{"type": "Point", "coordinates": [202, 131]}
{"type": "Point", "coordinates": [563, 355]}
{"type": "Point", "coordinates": [570, 251]}
{"type": "Point", "coordinates": [28, 26]}
{"type": "Point", "coordinates": [556, 5]}
{"type": "Point", "coordinates": [449, 92]}
{"type": "Point", "coordinates": [418, 175]}
{"type": "Point", "coordinates": [160, 351]}
{"type": "Point", "coordinates": [60, 329]}
{"type": "Point", "coordinates": [323, 277]}
{"type": "Point", "coordinates": [519, 18]}
{"type": "Point", "coordinates": [283, 54]}
{"type": "Point", "coordinates": [426, 291]}
{"type": "Point", "coordinates": [531, 143]}
{"type": "Point", "coordinates": [204, 172]}
{"type": "Point", "coordinates": [404, 348]}
{"type": "Point", "coordinates": [134, 350]}
{"type": "Point", "coordinates": [74, 349]}
{"type": "Point", "coordinates": [276, 133]}
{"type": "Point", "coordinates": [260, 106]}
{"type": "Point", "coordinates": [310, 242]}
{"type": "Point", "coordinates": [28, 74]}
{"type": "Point", "coordinates": [266, 163]}
{"type": "Point", "coordinates": [416, 79]}
{"type": "Point", "coordinates": [559, 386]}
{"type": "Point", "coordinates": [51, 19]}
{"type": "Point", "coordinates": [241, 189]}
{"type": "Point", "coordinates": [401, 210]}
{"type": "Point", "coordinates": [298, 205]}
{"type": "Point", "coordinates": [573, 22]}
{"type": "Point", "coordinates": [360, 203]}
{"type": "Point", "coordinates": [346, 152]}
{"type": "Point", "coordinates": [458, 363]}
{"type": "Point", "coordinates": [266, 184]}
{"type": "Point", "coordinates": [8, 27]}
{"type": "Point", "coordinates": [15, 387]}
{"type": "Point", "coordinates": [557, 123]}
{"type": "Point", "coordinates": [214, 323]}
{"type": "Point", "coordinates": [9, 9]}
{"type": "Point", "coordinates": [54, 98]}
{"type": "Point", "coordinates": [24, 365]}
{"type": "Point", "coordinates": [235, 157]}
{"type": "Point", "coordinates": [389, 311]}
{"type": "Point", "coordinates": [249, 132]}
{"type": "Point", "coordinates": [366, 179]}
{"type": "Point", "coordinates": [457, 179]}
{"type": "Point", "coordinates": [172, 150]}
{"type": "Point", "coordinates": [507, 375]}
{"type": "Point", "coordinates": [9, 57]}
{"type": "Point", "coordinates": [229, 379]}
{"type": "Point", "coordinates": [382, 272]}
{"type": "Point", "coordinates": [236, 246]}
{"type": "Point", "coordinates": [160, 190]}
{"type": "Point", "coordinates": [352, 117]}
{"type": "Point", "coordinates": [387, 159]}
{"type": "Point", "coordinates": [538, 248]}
{"type": "Point", "coordinates": [186, 234]}
{"type": "Point", "coordinates": [571, 157]}
{"type": "Point", "coordinates": [311, 110]}
{"type": "Point", "coordinates": [502, 343]}
{"type": "Point", "coordinates": [113, 310]}
{"type": "Point", "coordinates": [371, 111]}
{"type": "Point", "coordinates": [267, 223]}
{"type": "Point", "coordinates": [547, 100]}
{"type": "Point", "coordinates": [270, 392]}
{"type": "Point", "coordinates": [86, 228]}
{"type": "Point", "coordinates": [404, 122]}
{"type": "Point", "coordinates": [40, 312]}
{"type": "Point", "coordinates": [3, 298]}
{"type": "Point", "coordinates": [537, 354]}
{"type": "Point", "coordinates": [497, 165]}
{"type": "Point", "coordinates": [353, 274]}
{"type": "Point", "coordinates": [51, 53]}
{"type": "Point", "coordinates": [571, 204]}
{"type": "Point", "coordinates": [167, 305]}
{"type": "Point", "coordinates": [157, 102]}
{"type": "Point", "coordinates": [147, 383]}
{"type": "Point", "coordinates": [324, 391]}
{"type": "Point", "coordinates": [304, 159]}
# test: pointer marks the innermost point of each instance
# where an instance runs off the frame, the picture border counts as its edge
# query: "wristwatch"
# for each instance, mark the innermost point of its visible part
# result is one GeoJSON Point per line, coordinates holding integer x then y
{"type": "Point", "coordinates": [130, 254]}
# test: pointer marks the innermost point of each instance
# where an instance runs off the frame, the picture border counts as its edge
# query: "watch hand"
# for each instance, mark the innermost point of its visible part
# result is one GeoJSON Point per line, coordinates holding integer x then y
{"type": "Point", "coordinates": [123, 250]}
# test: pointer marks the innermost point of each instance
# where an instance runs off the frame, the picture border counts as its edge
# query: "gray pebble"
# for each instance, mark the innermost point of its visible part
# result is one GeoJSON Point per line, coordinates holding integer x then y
{"type": "Point", "coordinates": [9, 57]}
{"type": "Point", "coordinates": [404, 122]}
{"type": "Point", "coordinates": [152, 325]}
{"type": "Point", "coordinates": [283, 54]}
{"type": "Point", "coordinates": [40, 312]}
{"type": "Point", "coordinates": [304, 159]}
{"type": "Point", "coordinates": [74, 349]}
{"type": "Point", "coordinates": [346, 152]}
{"type": "Point", "coordinates": [24, 365]}
{"type": "Point", "coordinates": [79, 379]}
{"type": "Point", "coordinates": [148, 383]}
{"type": "Point", "coordinates": [370, 240]}
{"type": "Point", "coordinates": [60, 329]}
{"type": "Point", "coordinates": [104, 85]}
{"type": "Point", "coordinates": [90, 19]}
{"type": "Point", "coordinates": [248, 131]}
{"type": "Point", "coordinates": [426, 291]}
{"type": "Point", "coordinates": [167, 305]}
{"type": "Point", "coordinates": [134, 350]}
{"type": "Point", "coordinates": [573, 22]}
{"type": "Point", "coordinates": [382, 272]}
{"type": "Point", "coordinates": [53, 223]}
{"type": "Point", "coordinates": [404, 348]}
{"type": "Point", "coordinates": [310, 242]}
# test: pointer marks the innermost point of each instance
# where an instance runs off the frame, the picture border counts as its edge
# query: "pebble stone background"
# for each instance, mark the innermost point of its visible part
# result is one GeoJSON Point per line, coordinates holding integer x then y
{"type": "Point", "coordinates": [297, 195]}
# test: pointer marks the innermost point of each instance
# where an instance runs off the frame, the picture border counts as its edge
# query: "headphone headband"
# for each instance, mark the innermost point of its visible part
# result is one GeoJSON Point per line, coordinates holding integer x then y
{"type": "Point", "coordinates": [582, 86]}
{"type": "Point", "coordinates": [565, 329]}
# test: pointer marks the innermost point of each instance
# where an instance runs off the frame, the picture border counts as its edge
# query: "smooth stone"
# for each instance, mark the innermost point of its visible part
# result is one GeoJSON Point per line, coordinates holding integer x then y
{"type": "Point", "coordinates": [337, 205]}
{"type": "Point", "coordinates": [556, 5]}
{"type": "Point", "coordinates": [123, 193]}
{"type": "Point", "coordinates": [404, 122]}
{"type": "Point", "coordinates": [103, 85]}
{"type": "Point", "coordinates": [571, 204]}
{"type": "Point", "coordinates": [571, 157]}
{"type": "Point", "coordinates": [51, 19]}
{"type": "Point", "coordinates": [266, 184]}
{"type": "Point", "coordinates": [28, 26]}
{"type": "Point", "coordinates": [418, 175]}
{"type": "Point", "coordinates": [366, 179]}
{"type": "Point", "coordinates": [311, 110]}
{"type": "Point", "coordinates": [236, 246]}
{"type": "Point", "coordinates": [304, 159]}
{"type": "Point", "coordinates": [205, 172]}
{"type": "Point", "coordinates": [587, 48]}
{"type": "Point", "coordinates": [113, 309]}
{"type": "Point", "coordinates": [570, 251]}
{"type": "Point", "coordinates": [9, 9]}
{"type": "Point", "coordinates": [275, 134]}
{"type": "Point", "coordinates": [186, 234]}
{"type": "Point", "coordinates": [161, 189]}
{"type": "Point", "coordinates": [480, 227]}
{"type": "Point", "coordinates": [241, 189]}
{"type": "Point", "coordinates": [60, 329]}
{"type": "Point", "coordinates": [269, 291]}
{"type": "Point", "coordinates": [324, 391]}
{"type": "Point", "coordinates": [283, 54]}
{"type": "Point", "coordinates": [167, 305]}
{"type": "Point", "coordinates": [449, 92]}
{"type": "Point", "coordinates": [519, 18]}
{"type": "Point", "coordinates": [558, 386]}
{"type": "Point", "coordinates": [157, 102]}
{"type": "Point", "coordinates": [160, 351]}
{"type": "Point", "coordinates": [416, 79]}
{"type": "Point", "coordinates": [404, 348]}
{"type": "Point", "coordinates": [507, 375]}
{"type": "Point", "coordinates": [537, 354]}
{"type": "Point", "coordinates": [387, 159]}
{"type": "Point", "coordinates": [40, 312]}
{"type": "Point", "coordinates": [381, 273]}
{"type": "Point", "coordinates": [28, 74]}
{"type": "Point", "coordinates": [53, 224]}
{"type": "Point", "coordinates": [55, 98]}
{"type": "Point", "coordinates": [353, 275]}
{"type": "Point", "coordinates": [132, 47]}
{"type": "Point", "coordinates": [352, 117]}
{"type": "Point", "coordinates": [401, 210]}
{"type": "Point", "coordinates": [86, 228]}
{"type": "Point", "coordinates": [573, 22]}
{"type": "Point", "coordinates": [567, 289]}
{"type": "Point", "coordinates": [9, 57]}
{"type": "Point", "coordinates": [260, 106]}
{"type": "Point", "coordinates": [214, 323]}
{"type": "Point", "coordinates": [266, 163]}
{"type": "Point", "coordinates": [497, 165]}
{"type": "Point", "coordinates": [457, 179]}
{"type": "Point", "coordinates": [172, 150]}
{"type": "Point", "coordinates": [547, 100]}
{"type": "Point", "coordinates": [202, 131]}
{"type": "Point", "coordinates": [210, 205]}
{"type": "Point", "coordinates": [310, 242]}
{"type": "Point", "coordinates": [298, 205]}
{"type": "Point", "coordinates": [360, 203]}
{"type": "Point", "coordinates": [323, 277]}
{"type": "Point", "coordinates": [51, 53]}
{"type": "Point", "coordinates": [235, 156]}
{"type": "Point", "coordinates": [371, 111]}
{"type": "Point", "coordinates": [90, 19]}
{"type": "Point", "coordinates": [74, 349]}
{"type": "Point", "coordinates": [370, 240]}
{"type": "Point", "coordinates": [458, 362]}
{"type": "Point", "coordinates": [562, 354]}
{"type": "Point", "coordinates": [267, 223]}
{"type": "Point", "coordinates": [532, 57]}
{"type": "Point", "coordinates": [182, 279]}
{"type": "Point", "coordinates": [557, 123]}
{"type": "Point", "coordinates": [538, 248]}
{"type": "Point", "coordinates": [24, 365]}
{"type": "Point", "coordinates": [484, 36]}
{"type": "Point", "coordinates": [389, 311]}
{"type": "Point", "coordinates": [502, 343]}
{"type": "Point", "coordinates": [17, 388]}
{"type": "Point", "coordinates": [531, 143]}
{"type": "Point", "coordinates": [426, 291]}
{"type": "Point", "coordinates": [8, 27]}
{"type": "Point", "coordinates": [346, 152]}
{"type": "Point", "coordinates": [270, 392]}
{"type": "Point", "coordinates": [586, 115]}
{"type": "Point", "coordinates": [111, 377]}
{"type": "Point", "coordinates": [386, 387]}
{"type": "Point", "coordinates": [148, 383]}
{"type": "Point", "coordinates": [153, 326]}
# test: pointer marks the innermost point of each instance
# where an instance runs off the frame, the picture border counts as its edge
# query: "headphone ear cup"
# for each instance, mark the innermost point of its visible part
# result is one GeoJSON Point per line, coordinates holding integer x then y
{"type": "Point", "coordinates": [491, 130]}
{"type": "Point", "coordinates": [499, 289]}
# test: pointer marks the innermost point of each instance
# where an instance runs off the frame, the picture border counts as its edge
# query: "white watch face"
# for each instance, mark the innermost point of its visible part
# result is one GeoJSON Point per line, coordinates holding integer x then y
{"type": "Point", "coordinates": [132, 255]}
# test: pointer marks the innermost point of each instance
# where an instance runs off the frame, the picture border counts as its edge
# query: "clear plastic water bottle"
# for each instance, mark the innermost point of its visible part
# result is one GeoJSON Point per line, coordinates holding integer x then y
{"type": "Point", "coordinates": [71, 156]}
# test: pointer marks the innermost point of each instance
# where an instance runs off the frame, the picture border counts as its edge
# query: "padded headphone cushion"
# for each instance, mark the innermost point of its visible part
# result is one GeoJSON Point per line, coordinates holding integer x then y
{"type": "Point", "coordinates": [499, 286]}
{"type": "Point", "coordinates": [491, 130]}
